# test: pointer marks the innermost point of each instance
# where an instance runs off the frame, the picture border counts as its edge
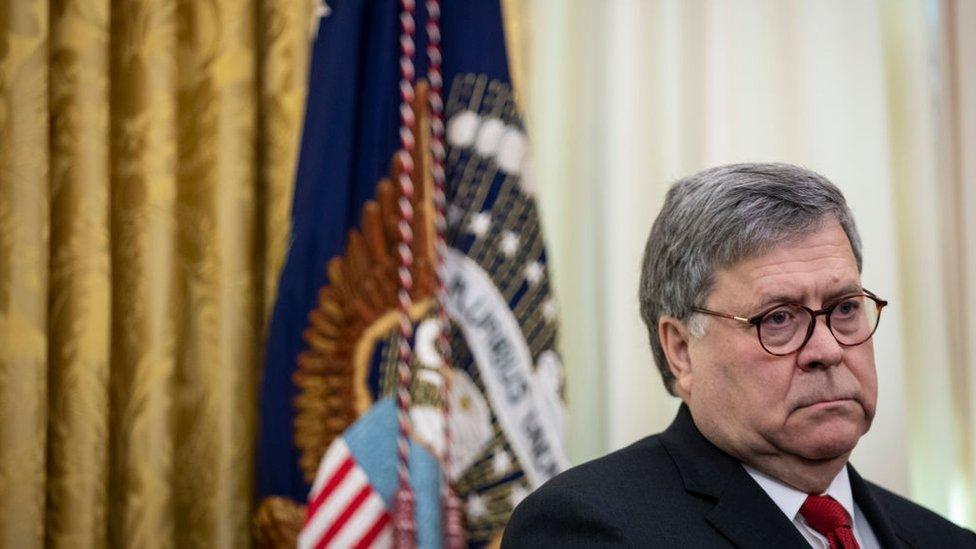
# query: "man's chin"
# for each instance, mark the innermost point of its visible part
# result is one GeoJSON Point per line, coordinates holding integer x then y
{"type": "Point", "coordinates": [825, 450]}
{"type": "Point", "coordinates": [826, 440]}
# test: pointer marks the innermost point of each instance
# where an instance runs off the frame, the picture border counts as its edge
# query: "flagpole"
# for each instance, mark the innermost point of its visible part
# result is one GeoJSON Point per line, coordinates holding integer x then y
{"type": "Point", "coordinates": [404, 525]}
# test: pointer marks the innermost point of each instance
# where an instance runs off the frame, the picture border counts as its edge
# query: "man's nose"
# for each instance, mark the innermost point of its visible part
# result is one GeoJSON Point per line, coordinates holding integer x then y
{"type": "Point", "coordinates": [822, 350]}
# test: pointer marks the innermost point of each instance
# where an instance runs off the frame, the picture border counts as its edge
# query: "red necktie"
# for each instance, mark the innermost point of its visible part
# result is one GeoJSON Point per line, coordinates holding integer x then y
{"type": "Point", "coordinates": [825, 515]}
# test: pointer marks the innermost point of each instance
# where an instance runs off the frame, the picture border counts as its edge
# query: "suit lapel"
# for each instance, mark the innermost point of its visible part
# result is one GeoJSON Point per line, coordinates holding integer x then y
{"type": "Point", "coordinates": [743, 512]}
{"type": "Point", "coordinates": [888, 534]}
{"type": "Point", "coordinates": [746, 515]}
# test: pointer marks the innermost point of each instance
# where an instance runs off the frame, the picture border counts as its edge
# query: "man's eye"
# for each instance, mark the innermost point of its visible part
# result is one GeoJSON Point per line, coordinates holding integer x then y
{"type": "Point", "coordinates": [778, 318]}
{"type": "Point", "coordinates": [847, 308]}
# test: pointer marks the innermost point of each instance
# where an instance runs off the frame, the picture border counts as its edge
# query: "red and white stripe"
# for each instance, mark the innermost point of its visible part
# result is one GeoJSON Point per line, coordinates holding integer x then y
{"type": "Point", "coordinates": [343, 508]}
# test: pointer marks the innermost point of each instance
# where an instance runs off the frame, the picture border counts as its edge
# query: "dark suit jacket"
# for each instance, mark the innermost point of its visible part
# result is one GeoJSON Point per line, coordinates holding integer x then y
{"type": "Point", "coordinates": [676, 489]}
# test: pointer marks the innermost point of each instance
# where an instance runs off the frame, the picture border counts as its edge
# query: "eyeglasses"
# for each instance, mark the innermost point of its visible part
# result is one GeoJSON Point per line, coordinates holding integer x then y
{"type": "Point", "coordinates": [785, 328]}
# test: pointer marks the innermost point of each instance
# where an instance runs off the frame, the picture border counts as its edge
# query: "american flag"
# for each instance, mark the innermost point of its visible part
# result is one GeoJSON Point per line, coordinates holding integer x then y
{"type": "Point", "coordinates": [351, 498]}
{"type": "Point", "coordinates": [343, 508]}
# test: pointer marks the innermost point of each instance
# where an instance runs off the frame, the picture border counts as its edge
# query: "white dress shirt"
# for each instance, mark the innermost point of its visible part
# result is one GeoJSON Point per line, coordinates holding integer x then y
{"type": "Point", "coordinates": [789, 500]}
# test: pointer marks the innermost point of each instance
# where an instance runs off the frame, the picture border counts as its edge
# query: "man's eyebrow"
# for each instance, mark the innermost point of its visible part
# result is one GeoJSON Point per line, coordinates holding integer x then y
{"type": "Point", "coordinates": [852, 288]}
{"type": "Point", "coordinates": [770, 299]}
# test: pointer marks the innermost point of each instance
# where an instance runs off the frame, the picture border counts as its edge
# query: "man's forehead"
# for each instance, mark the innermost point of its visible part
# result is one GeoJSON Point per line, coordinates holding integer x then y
{"type": "Point", "coordinates": [817, 265]}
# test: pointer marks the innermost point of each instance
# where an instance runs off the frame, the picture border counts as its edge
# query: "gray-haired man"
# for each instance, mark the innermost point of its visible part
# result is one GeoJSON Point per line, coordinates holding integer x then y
{"type": "Point", "coordinates": [752, 294]}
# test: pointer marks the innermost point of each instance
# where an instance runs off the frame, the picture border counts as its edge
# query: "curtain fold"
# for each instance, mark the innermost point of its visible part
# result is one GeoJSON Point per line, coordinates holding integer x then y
{"type": "Point", "coordinates": [143, 199]}
{"type": "Point", "coordinates": [80, 291]}
{"type": "Point", "coordinates": [24, 243]}
{"type": "Point", "coordinates": [147, 150]}
{"type": "Point", "coordinates": [928, 66]}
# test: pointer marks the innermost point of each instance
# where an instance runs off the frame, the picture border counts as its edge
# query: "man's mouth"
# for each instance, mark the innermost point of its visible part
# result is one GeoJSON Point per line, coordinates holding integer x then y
{"type": "Point", "coordinates": [832, 402]}
{"type": "Point", "coordinates": [826, 402]}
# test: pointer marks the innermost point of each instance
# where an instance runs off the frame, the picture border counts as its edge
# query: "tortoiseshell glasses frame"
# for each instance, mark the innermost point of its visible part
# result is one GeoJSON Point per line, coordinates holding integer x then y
{"type": "Point", "coordinates": [857, 318]}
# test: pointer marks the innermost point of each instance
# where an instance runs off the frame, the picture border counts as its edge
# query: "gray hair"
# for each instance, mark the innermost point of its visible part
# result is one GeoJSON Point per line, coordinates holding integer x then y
{"type": "Point", "coordinates": [720, 216]}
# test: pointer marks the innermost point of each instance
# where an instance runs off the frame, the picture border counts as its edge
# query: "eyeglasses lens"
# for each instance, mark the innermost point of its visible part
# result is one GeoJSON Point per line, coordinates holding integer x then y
{"type": "Point", "coordinates": [783, 329]}
{"type": "Point", "coordinates": [852, 321]}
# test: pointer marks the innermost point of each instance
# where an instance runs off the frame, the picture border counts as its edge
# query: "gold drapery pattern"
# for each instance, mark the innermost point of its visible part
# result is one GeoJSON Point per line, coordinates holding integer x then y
{"type": "Point", "coordinates": [147, 151]}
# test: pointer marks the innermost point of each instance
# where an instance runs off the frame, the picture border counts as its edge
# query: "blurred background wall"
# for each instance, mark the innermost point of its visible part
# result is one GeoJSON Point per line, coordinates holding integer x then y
{"type": "Point", "coordinates": [624, 97]}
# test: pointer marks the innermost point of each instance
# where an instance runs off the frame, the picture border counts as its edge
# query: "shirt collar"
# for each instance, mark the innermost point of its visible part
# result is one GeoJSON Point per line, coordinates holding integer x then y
{"type": "Point", "coordinates": [789, 499]}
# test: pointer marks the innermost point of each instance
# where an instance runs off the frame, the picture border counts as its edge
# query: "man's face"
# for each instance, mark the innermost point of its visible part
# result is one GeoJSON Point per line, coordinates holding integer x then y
{"type": "Point", "coordinates": [815, 403]}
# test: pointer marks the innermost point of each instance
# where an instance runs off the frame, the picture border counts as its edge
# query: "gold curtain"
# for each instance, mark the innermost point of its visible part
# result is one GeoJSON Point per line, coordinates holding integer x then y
{"type": "Point", "coordinates": [147, 150]}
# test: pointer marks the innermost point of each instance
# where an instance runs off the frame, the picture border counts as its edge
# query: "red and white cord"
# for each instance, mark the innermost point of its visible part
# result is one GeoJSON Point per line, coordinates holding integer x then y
{"type": "Point", "coordinates": [404, 525]}
{"type": "Point", "coordinates": [453, 528]}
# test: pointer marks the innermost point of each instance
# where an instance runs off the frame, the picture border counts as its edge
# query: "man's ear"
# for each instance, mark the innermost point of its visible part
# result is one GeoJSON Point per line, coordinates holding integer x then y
{"type": "Point", "coordinates": [674, 336]}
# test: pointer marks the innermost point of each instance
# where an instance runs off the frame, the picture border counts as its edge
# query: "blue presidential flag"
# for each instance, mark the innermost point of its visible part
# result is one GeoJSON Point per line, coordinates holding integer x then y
{"type": "Point", "coordinates": [331, 350]}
